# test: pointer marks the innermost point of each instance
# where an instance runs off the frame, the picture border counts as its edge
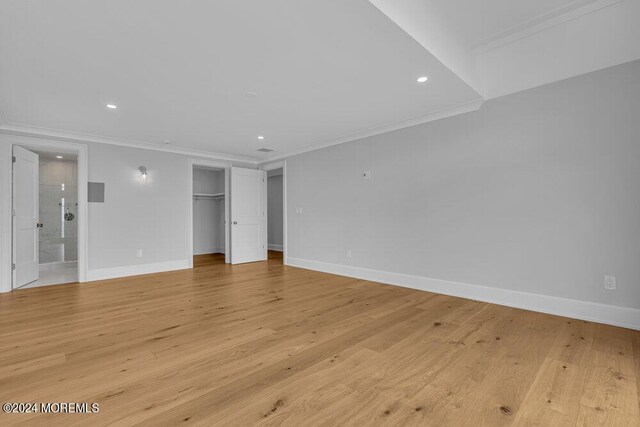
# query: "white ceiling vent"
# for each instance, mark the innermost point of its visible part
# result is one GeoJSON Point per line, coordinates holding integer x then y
{"type": "Point", "coordinates": [265, 150]}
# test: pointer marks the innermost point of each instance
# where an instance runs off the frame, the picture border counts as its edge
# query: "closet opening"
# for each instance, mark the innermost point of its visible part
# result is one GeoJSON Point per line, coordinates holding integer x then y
{"type": "Point", "coordinates": [275, 211]}
{"type": "Point", "coordinates": [209, 207]}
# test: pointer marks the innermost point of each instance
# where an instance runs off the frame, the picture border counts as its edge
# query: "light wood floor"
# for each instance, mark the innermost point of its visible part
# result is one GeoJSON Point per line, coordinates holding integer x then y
{"type": "Point", "coordinates": [266, 344]}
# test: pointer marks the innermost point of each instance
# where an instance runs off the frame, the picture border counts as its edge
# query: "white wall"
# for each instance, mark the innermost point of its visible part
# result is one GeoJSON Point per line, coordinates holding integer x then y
{"type": "Point", "coordinates": [274, 211]}
{"type": "Point", "coordinates": [536, 192]}
{"type": "Point", "coordinates": [208, 213]}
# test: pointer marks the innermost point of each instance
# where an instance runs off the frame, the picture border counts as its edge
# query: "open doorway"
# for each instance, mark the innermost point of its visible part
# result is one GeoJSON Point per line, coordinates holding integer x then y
{"type": "Point", "coordinates": [208, 217]}
{"type": "Point", "coordinates": [209, 203]}
{"type": "Point", "coordinates": [46, 213]}
{"type": "Point", "coordinates": [275, 211]}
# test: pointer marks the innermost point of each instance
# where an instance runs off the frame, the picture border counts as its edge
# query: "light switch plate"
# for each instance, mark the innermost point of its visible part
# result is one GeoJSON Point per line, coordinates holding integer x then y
{"type": "Point", "coordinates": [610, 283]}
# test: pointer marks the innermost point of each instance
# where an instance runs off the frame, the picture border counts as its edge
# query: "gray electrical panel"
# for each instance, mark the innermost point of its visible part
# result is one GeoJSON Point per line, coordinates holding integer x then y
{"type": "Point", "coordinates": [96, 192]}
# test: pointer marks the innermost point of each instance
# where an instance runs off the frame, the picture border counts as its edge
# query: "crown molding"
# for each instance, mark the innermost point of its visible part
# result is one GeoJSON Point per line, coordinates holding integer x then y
{"type": "Point", "coordinates": [458, 109]}
{"type": "Point", "coordinates": [61, 135]}
{"type": "Point", "coordinates": [46, 133]}
{"type": "Point", "coordinates": [541, 23]}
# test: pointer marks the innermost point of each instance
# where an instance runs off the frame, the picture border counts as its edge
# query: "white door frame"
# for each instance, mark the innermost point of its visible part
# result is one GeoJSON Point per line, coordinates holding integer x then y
{"type": "Point", "coordinates": [6, 225]}
{"type": "Point", "coordinates": [227, 206]}
{"type": "Point", "coordinates": [283, 165]}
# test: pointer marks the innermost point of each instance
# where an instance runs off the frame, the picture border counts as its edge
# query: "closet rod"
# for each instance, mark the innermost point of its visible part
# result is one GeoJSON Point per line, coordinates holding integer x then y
{"type": "Point", "coordinates": [208, 196]}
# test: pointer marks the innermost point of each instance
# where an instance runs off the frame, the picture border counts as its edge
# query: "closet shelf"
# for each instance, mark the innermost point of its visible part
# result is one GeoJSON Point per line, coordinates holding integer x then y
{"type": "Point", "coordinates": [208, 196]}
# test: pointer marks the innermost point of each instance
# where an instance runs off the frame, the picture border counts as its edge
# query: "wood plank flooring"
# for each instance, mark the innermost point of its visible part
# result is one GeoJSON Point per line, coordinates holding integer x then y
{"type": "Point", "coordinates": [265, 344]}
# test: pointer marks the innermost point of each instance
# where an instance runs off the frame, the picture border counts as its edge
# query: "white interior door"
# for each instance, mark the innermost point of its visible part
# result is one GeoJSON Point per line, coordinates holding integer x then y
{"type": "Point", "coordinates": [25, 218]}
{"type": "Point", "coordinates": [248, 215]}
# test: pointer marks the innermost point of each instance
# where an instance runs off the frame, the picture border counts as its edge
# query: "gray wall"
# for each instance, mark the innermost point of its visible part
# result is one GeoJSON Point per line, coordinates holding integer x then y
{"type": "Point", "coordinates": [208, 181]}
{"type": "Point", "coordinates": [537, 191]}
{"type": "Point", "coordinates": [138, 214]}
{"type": "Point", "coordinates": [274, 210]}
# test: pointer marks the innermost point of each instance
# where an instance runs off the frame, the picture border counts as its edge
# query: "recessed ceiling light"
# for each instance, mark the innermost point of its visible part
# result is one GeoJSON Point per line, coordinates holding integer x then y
{"type": "Point", "coordinates": [58, 157]}
{"type": "Point", "coordinates": [422, 79]}
{"type": "Point", "coordinates": [112, 106]}
{"type": "Point", "coordinates": [260, 137]}
{"type": "Point", "coordinates": [251, 95]}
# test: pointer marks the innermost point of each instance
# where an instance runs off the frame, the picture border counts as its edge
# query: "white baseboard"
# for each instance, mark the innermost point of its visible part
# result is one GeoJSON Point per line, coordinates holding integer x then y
{"type": "Point", "coordinates": [207, 251]}
{"type": "Point", "coordinates": [273, 247]}
{"type": "Point", "coordinates": [601, 313]}
{"type": "Point", "coordinates": [135, 270]}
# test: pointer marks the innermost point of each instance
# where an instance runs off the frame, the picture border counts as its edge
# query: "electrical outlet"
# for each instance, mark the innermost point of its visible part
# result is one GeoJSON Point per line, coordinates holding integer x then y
{"type": "Point", "coordinates": [348, 253]}
{"type": "Point", "coordinates": [299, 211]}
{"type": "Point", "coordinates": [139, 253]}
{"type": "Point", "coordinates": [366, 174]}
{"type": "Point", "coordinates": [610, 283]}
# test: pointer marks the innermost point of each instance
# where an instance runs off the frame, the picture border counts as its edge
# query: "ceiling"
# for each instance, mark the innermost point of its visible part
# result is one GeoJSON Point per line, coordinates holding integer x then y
{"type": "Point", "coordinates": [180, 72]}
{"type": "Point", "coordinates": [477, 21]}
{"type": "Point", "coordinates": [322, 70]}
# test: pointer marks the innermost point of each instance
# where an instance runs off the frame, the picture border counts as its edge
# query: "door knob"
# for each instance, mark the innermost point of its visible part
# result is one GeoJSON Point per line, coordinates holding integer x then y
{"type": "Point", "coordinates": [235, 222]}
{"type": "Point", "coordinates": [39, 225]}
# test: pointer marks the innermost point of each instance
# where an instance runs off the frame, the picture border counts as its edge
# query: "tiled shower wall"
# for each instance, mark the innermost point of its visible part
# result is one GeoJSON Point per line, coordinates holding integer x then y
{"type": "Point", "coordinates": [58, 195]}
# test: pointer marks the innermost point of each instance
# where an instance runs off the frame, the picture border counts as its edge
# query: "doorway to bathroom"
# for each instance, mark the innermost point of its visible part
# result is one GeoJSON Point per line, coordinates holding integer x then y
{"type": "Point", "coordinates": [48, 222]}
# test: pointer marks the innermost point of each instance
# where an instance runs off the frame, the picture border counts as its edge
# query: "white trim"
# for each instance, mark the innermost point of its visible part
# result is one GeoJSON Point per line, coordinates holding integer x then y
{"type": "Point", "coordinates": [273, 247]}
{"type": "Point", "coordinates": [62, 135]}
{"type": "Point", "coordinates": [189, 200]}
{"type": "Point", "coordinates": [454, 110]}
{"type": "Point", "coordinates": [6, 275]}
{"type": "Point", "coordinates": [135, 270]}
{"type": "Point", "coordinates": [602, 313]}
{"type": "Point", "coordinates": [5, 218]}
{"type": "Point", "coordinates": [541, 23]}
{"type": "Point", "coordinates": [267, 166]}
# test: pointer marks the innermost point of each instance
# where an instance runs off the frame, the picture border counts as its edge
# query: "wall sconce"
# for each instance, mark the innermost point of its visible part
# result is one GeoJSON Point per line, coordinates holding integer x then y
{"type": "Point", "coordinates": [143, 171]}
